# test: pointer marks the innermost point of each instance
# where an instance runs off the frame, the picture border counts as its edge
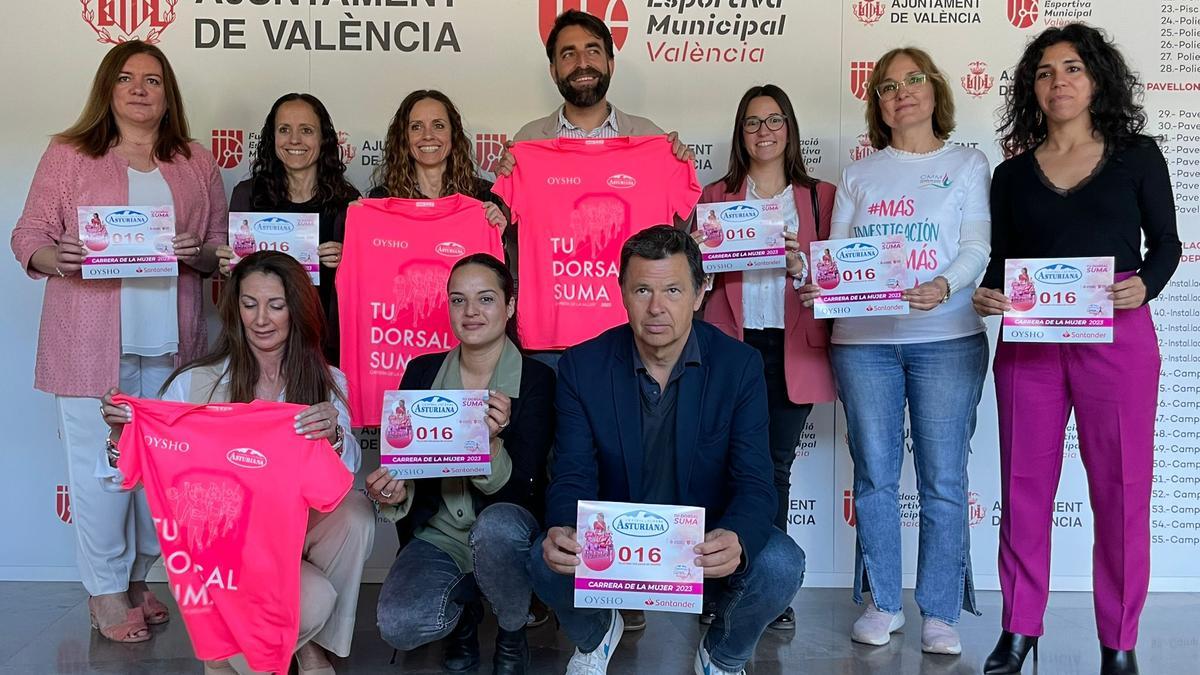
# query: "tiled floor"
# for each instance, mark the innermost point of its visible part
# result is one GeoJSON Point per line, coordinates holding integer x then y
{"type": "Point", "coordinates": [44, 629]}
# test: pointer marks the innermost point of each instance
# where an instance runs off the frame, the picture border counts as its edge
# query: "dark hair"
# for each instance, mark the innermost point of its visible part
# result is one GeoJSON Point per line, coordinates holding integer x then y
{"type": "Point", "coordinates": [943, 96]}
{"type": "Point", "coordinates": [307, 379]}
{"type": "Point", "coordinates": [508, 286]}
{"type": "Point", "coordinates": [270, 180]}
{"type": "Point", "coordinates": [660, 242]}
{"type": "Point", "coordinates": [739, 155]}
{"type": "Point", "coordinates": [96, 129]}
{"type": "Point", "coordinates": [397, 175]}
{"type": "Point", "coordinates": [1116, 110]}
{"type": "Point", "coordinates": [588, 22]}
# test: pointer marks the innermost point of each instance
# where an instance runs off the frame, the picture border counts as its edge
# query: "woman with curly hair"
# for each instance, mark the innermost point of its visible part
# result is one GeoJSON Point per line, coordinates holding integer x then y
{"type": "Point", "coordinates": [298, 168]}
{"type": "Point", "coordinates": [1081, 180]}
{"type": "Point", "coordinates": [427, 155]}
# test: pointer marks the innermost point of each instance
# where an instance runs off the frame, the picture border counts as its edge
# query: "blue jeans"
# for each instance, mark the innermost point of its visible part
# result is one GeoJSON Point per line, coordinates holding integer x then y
{"type": "Point", "coordinates": [941, 382]}
{"type": "Point", "coordinates": [746, 601]}
{"type": "Point", "coordinates": [424, 594]}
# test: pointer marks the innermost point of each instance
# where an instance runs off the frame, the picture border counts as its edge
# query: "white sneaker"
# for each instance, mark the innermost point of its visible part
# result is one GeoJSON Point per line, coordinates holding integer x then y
{"type": "Point", "coordinates": [875, 626]}
{"type": "Point", "coordinates": [595, 662]}
{"type": "Point", "coordinates": [939, 637]}
{"type": "Point", "coordinates": [704, 665]}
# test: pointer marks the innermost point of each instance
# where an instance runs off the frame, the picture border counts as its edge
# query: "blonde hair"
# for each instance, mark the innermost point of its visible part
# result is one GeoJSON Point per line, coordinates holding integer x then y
{"type": "Point", "coordinates": [943, 97]}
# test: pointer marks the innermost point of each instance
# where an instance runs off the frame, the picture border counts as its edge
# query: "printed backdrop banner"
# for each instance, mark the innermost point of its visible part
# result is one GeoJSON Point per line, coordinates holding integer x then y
{"type": "Point", "coordinates": [683, 64]}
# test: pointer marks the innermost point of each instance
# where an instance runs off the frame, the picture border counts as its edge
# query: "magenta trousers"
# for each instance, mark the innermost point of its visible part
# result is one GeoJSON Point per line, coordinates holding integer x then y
{"type": "Point", "coordinates": [1113, 389]}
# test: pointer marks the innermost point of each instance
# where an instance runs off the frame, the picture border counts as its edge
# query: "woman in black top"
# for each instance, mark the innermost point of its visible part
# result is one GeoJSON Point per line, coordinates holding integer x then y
{"type": "Point", "coordinates": [471, 535]}
{"type": "Point", "coordinates": [1082, 181]}
{"type": "Point", "coordinates": [298, 168]}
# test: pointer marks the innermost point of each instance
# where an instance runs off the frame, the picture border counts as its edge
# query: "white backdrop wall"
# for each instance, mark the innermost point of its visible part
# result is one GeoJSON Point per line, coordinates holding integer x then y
{"type": "Point", "coordinates": [684, 64]}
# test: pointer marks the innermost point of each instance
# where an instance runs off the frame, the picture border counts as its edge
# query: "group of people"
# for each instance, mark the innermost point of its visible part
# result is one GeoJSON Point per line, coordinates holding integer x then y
{"type": "Point", "coordinates": [700, 399]}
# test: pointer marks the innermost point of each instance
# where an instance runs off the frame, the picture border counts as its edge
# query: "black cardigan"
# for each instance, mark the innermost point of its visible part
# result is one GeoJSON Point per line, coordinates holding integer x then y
{"type": "Point", "coordinates": [527, 439]}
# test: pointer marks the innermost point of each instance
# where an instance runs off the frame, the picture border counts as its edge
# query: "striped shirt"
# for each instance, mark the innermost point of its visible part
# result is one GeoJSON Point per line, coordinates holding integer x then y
{"type": "Point", "coordinates": [607, 129]}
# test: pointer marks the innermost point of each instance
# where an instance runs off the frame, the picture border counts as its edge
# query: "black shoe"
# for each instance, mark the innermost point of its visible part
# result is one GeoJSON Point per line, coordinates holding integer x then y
{"type": "Point", "coordinates": [461, 647]}
{"type": "Point", "coordinates": [1009, 654]}
{"type": "Point", "coordinates": [786, 621]}
{"type": "Point", "coordinates": [635, 620]}
{"type": "Point", "coordinates": [512, 653]}
{"type": "Point", "coordinates": [1117, 662]}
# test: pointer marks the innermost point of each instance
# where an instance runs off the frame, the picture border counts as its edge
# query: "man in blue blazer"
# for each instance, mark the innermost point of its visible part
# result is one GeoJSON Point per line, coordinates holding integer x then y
{"type": "Point", "coordinates": [667, 410]}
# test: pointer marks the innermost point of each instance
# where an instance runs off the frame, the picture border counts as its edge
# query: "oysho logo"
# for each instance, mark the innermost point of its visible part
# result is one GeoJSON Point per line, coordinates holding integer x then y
{"type": "Point", "coordinates": [434, 407]}
{"type": "Point", "coordinates": [274, 225]}
{"type": "Point", "coordinates": [228, 147]}
{"type": "Point", "coordinates": [165, 444]}
{"type": "Point", "coordinates": [389, 243]}
{"type": "Point", "coordinates": [640, 524]}
{"type": "Point", "coordinates": [143, 20]}
{"type": "Point", "coordinates": [1058, 273]}
{"type": "Point", "coordinates": [867, 12]}
{"type": "Point", "coordinates": [857, 252]}
{"type": "Point", "coordinates": [246, 458]}
{"type": "Point", "coordinates": [564, 180]}
{"type": "Point", "coordinates": [739, 213]}
{"type": "Point", "coordinates": [450, 249]}
{"type": "Point", "coordinates": [126, 218]}
{"type": "Point", "coordinates": [621, 181]}
{"type": "Point", "coordinates": [612, 12]}
{"type": "Point", "coordinates": [1023, 13]}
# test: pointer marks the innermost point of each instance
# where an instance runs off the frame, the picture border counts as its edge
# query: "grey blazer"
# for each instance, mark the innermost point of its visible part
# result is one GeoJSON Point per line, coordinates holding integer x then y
{"type": "Point", "coordinates": [627, 125]}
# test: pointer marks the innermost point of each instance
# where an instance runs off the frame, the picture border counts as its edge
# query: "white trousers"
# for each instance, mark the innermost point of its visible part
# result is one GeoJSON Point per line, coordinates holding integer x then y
{"type": "Point", "coordinates": [114, 533]}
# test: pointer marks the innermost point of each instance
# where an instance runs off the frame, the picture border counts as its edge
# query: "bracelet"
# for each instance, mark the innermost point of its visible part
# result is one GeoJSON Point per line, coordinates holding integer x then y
{"type": "Point", "coordinates": [112, 452]}
{"type": "Point", "coordinates": [338, 439]}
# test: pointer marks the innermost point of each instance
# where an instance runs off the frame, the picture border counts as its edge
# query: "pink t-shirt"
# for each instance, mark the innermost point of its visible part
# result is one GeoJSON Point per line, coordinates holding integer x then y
{"type": "Point", "coordinates": [230, 486]}
{"type": "Point", "coordinates": [576, 201]}
{"type": "Point", "coordinates": [391, 288]}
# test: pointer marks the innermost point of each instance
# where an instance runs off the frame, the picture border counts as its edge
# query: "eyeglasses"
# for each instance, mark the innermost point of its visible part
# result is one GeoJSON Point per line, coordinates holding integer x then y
{"type": "Point", "coordinates": [773, 122]}
{"type": "Point", "coordinates": [891, 89]}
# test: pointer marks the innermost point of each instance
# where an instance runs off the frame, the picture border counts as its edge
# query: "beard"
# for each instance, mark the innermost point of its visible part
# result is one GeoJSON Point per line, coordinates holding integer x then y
{"type": "Point", "coordinates": [584, 98]}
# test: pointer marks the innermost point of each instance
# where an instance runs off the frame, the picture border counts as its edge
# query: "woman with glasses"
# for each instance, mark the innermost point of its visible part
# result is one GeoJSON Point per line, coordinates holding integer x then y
{"type": "Point", "coordinates": [763, 307]}
{"type": "Point", "coordinates": [931, 360]}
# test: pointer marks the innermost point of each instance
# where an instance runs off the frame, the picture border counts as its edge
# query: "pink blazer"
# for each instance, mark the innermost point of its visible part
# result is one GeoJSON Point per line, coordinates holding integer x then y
{"type": "Point", "coordinates": [806, 340]}
{"type": "Point", "coordinates": [79, 340]}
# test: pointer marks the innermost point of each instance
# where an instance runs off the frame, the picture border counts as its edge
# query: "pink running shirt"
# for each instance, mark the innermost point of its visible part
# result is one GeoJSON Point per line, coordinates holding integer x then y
{"type": "Point", "coordinates": [230, 486]}
{"type": "Point", "coordinates": [576, 201]}
{"type": "Point", "coordinates": [391, 288]}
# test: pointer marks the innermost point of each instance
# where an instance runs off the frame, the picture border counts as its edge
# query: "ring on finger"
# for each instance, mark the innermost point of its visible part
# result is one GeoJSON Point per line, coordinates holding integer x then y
{"type": "Point", "coordinates": [385, 495]}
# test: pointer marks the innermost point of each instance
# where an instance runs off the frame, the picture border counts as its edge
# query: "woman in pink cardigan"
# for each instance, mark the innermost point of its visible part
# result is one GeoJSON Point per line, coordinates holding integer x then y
{"type": "Point", "coordinates": [130, 146]}
{"type": "Point", "coordinates": [764, 307]}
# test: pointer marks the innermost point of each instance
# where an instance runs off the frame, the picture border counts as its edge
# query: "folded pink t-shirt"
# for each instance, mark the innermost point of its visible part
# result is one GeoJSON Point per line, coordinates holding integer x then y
{"type": "Point", "coordinates": [230, 486]}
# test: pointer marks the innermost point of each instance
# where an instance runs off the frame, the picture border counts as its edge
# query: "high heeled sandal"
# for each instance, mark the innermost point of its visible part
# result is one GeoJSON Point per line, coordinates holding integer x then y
{"type": "Point", "coordinates": [218, 668]}
{"type": "Point", "coordinates": [155, 611]}
{"type": "Point", "coordinates": [126, 632]}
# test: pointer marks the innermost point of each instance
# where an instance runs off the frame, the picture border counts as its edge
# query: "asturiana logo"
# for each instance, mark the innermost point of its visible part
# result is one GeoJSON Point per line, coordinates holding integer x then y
{"type": "Point", "coordinates": [450, 249]}
{"type": "Point", "coordinates": [126, 218]}
{"type": "Point", "coordinates": [641, 524]}
{"type": "Point", "coordinates": [739, 213]}
{"type": "Point", "coordinates": [621, 181]}
{"type": "Point", "coordinates": [274, 225]}
{"type": "Point", "coordinates": [1058, 273]}
{"type": "Point", "coordinates": [247, 458]}
{"type": "Point", "coordinates": [434, 407]}
{"type": "Point", "coordinates": [857, 252]}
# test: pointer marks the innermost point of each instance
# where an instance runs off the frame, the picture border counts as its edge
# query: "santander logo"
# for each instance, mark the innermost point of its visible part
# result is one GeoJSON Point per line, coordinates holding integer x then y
{"type": "Point", "coordinates": [450, 249]}
{"type": "Point", "coordinates": [246, 458]}
{"type": "Point", "coordinates": [621, 181]}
